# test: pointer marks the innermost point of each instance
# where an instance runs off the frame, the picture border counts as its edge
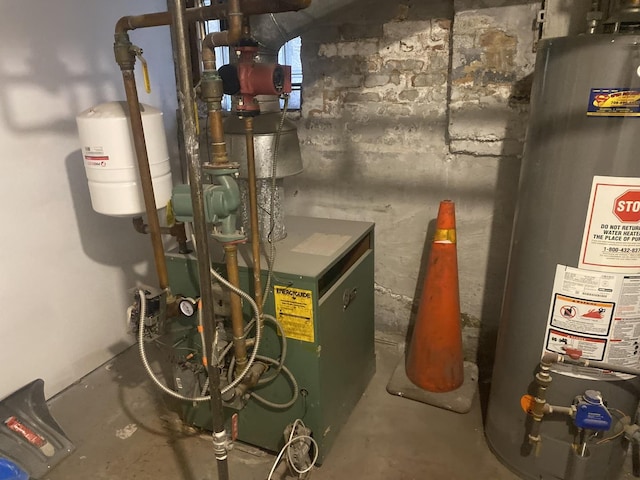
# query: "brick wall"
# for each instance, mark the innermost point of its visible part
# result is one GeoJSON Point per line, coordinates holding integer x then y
{"type": "Point", "coordinates": [404, 104]}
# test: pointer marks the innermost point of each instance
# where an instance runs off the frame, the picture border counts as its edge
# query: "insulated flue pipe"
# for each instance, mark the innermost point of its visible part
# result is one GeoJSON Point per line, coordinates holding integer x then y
{"type": "Point", "coordinates": [192, 151]}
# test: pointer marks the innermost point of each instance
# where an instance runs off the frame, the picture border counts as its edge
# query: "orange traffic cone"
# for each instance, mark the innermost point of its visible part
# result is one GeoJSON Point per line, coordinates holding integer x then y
{"type": "Point", "coordinates": [435, 361]}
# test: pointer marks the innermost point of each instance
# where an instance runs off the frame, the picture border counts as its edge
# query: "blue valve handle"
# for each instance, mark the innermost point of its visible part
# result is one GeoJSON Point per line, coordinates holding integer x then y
{"type": "Point", "coordinates": [592, 416]}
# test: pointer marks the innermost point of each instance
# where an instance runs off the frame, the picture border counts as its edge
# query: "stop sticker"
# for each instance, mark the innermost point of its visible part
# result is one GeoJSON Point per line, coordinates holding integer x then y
{"type": "Point", "coordinates": [627, 206]}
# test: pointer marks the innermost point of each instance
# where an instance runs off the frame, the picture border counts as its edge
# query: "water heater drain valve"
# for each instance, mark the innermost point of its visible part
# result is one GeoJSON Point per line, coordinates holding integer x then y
{"type": "Point", "coordinates": [591, 413]}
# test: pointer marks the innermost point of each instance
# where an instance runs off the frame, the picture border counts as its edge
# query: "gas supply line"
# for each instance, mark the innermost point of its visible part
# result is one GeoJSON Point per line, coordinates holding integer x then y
{"type": "Point", "coordinates": [588, 411]}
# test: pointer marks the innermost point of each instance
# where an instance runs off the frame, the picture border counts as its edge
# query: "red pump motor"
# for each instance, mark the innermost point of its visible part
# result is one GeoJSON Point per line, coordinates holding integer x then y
{"type": "Point", "coordinates": [249, 78]}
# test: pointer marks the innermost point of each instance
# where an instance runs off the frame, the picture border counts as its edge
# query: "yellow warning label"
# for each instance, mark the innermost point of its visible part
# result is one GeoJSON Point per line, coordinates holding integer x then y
{"type": "Point", "coordinates": [294, 310]}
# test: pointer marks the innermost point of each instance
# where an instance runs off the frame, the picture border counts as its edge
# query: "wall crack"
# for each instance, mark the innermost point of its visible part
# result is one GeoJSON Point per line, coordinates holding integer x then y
{"type": "Point", "coordinates": [388, 292]}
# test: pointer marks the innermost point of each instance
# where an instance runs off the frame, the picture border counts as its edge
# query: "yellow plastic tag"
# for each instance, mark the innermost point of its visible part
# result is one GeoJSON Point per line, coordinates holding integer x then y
{"type": "Point", "coordinates": [145, 75]}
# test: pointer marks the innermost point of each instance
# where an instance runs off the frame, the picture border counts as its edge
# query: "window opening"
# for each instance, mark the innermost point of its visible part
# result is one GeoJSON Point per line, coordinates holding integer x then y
{"type": "Point", "coordinates": [289, 54]}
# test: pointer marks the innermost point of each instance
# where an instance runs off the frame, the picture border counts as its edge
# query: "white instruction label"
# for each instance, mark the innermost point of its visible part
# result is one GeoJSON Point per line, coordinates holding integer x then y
{"type": "Point", "coordinates": [611, 238]}
{"type": "Point", "coordinates": [597, 313]}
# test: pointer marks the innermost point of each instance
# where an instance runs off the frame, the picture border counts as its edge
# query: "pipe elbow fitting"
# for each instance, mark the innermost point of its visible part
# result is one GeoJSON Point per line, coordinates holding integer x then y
{"type": "Point", "coordinates": [123, 25]}
{"type": "Point", "coordinates": [550, 358]}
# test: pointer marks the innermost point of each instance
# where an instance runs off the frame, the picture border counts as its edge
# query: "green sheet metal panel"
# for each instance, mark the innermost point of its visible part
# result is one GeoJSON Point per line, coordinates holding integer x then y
{"type": "Point", "coordinates": [336, 367]}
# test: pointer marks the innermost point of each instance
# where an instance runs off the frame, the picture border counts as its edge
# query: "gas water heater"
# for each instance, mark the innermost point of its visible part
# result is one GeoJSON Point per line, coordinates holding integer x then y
{"type": "Point", "coordinates": [573, 285]}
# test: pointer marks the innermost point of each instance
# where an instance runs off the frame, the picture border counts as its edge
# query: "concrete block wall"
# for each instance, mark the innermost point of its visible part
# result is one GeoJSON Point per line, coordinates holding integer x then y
{"type": "Point", "coordinates": [406, 103]}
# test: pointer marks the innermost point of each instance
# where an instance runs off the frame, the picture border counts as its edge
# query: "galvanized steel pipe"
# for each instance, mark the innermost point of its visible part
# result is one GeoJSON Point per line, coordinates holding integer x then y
{"type": "Point", "coordinates": [192, 150]}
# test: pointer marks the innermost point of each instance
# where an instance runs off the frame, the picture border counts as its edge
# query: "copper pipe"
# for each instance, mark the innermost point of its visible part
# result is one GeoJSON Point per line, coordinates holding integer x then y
{"type": "Point", "coordinates": [208, 57]}
{"type": "Point", "coordinates": [237, 323]}
{"type": "Point", "coordinates": [132, 22]}
{"type": "Point", "coordinates": [212, 94]}
{"type": "Point", "coordinates": [253, 213]}
{"type": "Point", "coordinates": [224, 38]}
{"type": "Point", "coordinates": [235, 22]}
{"type": "Point", "coordinates": [218, 146]}
{"type": "Point", "coordinates": [247, 7]}
{"type": "Point", "coordinates": [135, 116]}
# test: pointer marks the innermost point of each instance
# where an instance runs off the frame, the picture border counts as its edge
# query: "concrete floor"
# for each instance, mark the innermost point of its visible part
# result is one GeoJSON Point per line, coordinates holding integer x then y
{"type": "Point", "coordinates": [124, 429]}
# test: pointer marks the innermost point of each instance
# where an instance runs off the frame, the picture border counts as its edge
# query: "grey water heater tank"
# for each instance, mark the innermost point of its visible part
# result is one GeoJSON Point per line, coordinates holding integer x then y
{"type": "Point", "coordinates": [577, 131]}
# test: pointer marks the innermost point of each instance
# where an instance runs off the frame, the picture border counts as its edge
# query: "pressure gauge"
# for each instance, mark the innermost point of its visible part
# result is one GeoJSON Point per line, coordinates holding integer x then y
{"type": "Point", "coordinates": [187, 307]}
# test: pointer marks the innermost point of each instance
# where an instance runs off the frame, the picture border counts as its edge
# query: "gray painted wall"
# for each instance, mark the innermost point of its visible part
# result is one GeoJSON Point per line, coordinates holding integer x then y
{"type": "Point", "coordinates": [65, 269]}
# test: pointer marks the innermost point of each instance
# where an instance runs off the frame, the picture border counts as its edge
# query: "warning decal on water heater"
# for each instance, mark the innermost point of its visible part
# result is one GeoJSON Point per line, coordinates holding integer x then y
{"type": "Point", "coordinates": [597, 313]}
{"type": "Point", "coordinates": [611, 238]}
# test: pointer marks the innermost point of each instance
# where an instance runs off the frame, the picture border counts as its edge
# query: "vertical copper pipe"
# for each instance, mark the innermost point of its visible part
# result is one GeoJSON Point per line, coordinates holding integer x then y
{"type": "Point", "coordinates": [216, 129]}
{"type": "Point", "coordinates": [218, 145]}
{"type": "Point", "coordinates": [235, 22]}
{"type": "Point", "coordinates": [219, 153]}
{"type": "Point", "coordinates": [233, 34]}
{"type": "Point", "coordinates": [253, 212]}
{"type": "Point", "coordinates": [237, 324]}
{"type": "Point", "coordinates": [135, 116]}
